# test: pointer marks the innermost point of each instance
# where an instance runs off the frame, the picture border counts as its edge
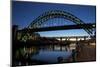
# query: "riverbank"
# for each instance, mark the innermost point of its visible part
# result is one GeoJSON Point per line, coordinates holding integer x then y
{"type": "Point", "coordinates": [87, 53]}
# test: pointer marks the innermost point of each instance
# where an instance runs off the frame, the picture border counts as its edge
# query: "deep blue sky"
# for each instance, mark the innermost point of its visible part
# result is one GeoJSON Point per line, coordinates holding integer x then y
{"type": "Point", "coordinates": [23, 13]}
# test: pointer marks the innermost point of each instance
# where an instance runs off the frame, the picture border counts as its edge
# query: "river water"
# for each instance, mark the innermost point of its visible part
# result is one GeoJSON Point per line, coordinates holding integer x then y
{"type": "Point", "coordinates": [52, 53]}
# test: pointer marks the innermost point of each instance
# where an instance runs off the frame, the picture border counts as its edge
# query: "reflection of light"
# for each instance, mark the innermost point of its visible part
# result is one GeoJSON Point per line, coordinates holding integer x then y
{"type": "Point", "coordinates": [92, 44]}
{"type": "Point", "coordinates": [57, 47]}
{"type": "Point", "coordinates": [72, 46]}
{"type": "Point", "coordinates": [63, 48]}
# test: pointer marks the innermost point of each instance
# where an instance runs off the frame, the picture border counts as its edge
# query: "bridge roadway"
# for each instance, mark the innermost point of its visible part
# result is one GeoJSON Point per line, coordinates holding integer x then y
{"type": "Point", "coordinates": [65, 27]}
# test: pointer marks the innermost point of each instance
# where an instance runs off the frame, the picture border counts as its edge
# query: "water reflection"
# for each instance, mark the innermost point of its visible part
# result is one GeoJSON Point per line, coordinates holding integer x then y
{"type": "Point", "coordinates": [46, 53]}
{"type": "Point", "coordinates": [52, 53]}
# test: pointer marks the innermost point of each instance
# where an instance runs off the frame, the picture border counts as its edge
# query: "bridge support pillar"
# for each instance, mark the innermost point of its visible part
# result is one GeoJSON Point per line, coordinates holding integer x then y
{"type": "Point", "coordinates": [74, 55]}
{"type": "Point", "coordinates": [14, 38]}
{"type": "Point", "coordinates": [76, 39]}
{"type": "Point", "coordinates": [61, 39]}
{"type": "Point", "coordinates": [53, 47]}
{"type": "Point", "coordinates": [84, 38]}
{"type": "Point", "coordinates": [68, 38]}
{"type": "Point", "coordinates": [14, 32]}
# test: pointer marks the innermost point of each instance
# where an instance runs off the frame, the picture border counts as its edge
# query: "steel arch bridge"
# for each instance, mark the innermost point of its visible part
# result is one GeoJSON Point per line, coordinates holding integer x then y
{"type": "Point", "coordinates": [38, 22]}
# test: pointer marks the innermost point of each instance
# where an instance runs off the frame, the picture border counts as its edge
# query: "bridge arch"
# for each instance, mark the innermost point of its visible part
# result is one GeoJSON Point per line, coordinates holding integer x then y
{"type": "Point", "coordinates": [58, 14]}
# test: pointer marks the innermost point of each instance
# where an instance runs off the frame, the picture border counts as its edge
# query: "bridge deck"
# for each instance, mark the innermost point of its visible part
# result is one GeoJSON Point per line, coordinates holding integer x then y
{"type": "Point", "coordinates": [65, 27]}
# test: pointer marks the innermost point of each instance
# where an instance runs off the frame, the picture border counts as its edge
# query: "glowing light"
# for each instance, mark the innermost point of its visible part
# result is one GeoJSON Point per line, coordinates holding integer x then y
{"type": "Point", "coordinates": [72, 39]}
{"type": "Point", "coordinates": [63, 39]}
{"type": "Point", "coordinates": [93, 25]}
{"type": "Point", "coordinates": [58, 39]}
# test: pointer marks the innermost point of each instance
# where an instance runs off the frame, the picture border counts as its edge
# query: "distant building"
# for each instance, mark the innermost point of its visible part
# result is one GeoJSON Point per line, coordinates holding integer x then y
{"type": "Point", "coordinates": [22, 36]}
{"type": "Point", "coordinates": [27, 36]}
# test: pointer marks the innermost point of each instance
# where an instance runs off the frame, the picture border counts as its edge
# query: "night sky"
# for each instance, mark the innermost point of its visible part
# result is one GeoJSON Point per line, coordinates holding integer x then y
{"type": "Point", "coordinates": [23, 13]}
